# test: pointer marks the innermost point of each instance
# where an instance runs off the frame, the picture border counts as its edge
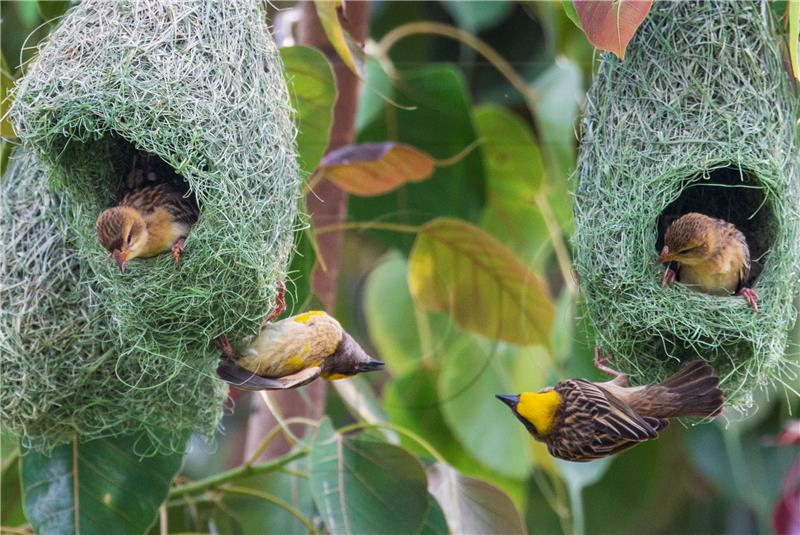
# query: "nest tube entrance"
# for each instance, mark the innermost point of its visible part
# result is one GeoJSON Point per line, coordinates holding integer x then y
{"type": "Point", "coordinates": [664, 135]}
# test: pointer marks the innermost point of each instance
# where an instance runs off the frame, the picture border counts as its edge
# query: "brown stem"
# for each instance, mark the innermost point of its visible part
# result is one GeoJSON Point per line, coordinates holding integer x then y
{"type": "Point", "coordinates": [327, 205]}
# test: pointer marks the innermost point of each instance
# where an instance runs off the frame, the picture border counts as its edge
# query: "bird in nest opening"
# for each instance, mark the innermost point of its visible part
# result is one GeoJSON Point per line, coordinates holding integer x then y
{"type": "Point", "coordinates": [293, 352]}
{"type": "Point", "coordinates": [710, 255]}
{"type": "Point", "coordinates": [154, 216]}
{"type": "Point", "coordinates": [580, 420]}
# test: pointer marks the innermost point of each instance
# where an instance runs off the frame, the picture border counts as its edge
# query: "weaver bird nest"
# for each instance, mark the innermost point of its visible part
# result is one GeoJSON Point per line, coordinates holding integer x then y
{"type": "Point", "coordinates": [86, 349]}
{"type": "Point", "coordinates": [700, 116]}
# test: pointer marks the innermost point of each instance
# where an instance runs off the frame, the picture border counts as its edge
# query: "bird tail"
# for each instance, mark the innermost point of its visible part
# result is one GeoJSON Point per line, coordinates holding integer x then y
{"type": "Point", "coordinates": [694, 391]}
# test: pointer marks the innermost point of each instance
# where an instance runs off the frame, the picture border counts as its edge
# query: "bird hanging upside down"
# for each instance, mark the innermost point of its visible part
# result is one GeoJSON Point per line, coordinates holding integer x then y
{"type": "Point", "coordinates": [148, 221]}
{"type": "Point", "coordinates": [712, 256]}
{"type": "Point", "coordinates": [293, 352]}
{"type": "Point", "coordinates": [580, 420]}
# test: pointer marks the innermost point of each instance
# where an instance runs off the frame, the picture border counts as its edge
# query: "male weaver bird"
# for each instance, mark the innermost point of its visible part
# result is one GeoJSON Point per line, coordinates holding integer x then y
{"type": "Point", "coordinates": [711, 254]}
{"type": "Point", "coordinates": [580, 420]}
{"type": "Point", "coordinates": [293, 352]}
{"type": "Point", "coordinates": [148, 221]}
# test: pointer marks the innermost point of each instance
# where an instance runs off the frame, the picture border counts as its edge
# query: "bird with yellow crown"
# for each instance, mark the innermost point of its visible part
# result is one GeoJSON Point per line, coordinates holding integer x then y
{"type": "Point", "coordinates": [580, 420]}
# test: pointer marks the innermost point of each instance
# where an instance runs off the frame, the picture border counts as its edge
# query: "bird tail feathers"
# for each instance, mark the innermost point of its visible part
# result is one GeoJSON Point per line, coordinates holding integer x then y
{"type": "Point", "coordinates": [695, 388]}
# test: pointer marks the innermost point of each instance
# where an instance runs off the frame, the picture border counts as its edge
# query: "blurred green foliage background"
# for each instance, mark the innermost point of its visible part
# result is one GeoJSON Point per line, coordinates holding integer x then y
{"type": "Point", "coordinates": [727, 476]}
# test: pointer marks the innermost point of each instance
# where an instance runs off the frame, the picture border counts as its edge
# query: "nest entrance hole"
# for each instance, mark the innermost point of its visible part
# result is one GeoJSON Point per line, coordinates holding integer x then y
{"type": "Point", "coordinates": [733, 194]}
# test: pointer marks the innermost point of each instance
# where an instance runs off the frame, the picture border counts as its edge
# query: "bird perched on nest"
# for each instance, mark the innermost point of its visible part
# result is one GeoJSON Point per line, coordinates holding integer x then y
{"type": "Point", "coordinates": [147, 221]}
{"type": "Point", "coordinates": [711, 254]}
{"type": "Point", "coordinates": [580, 420]}
{"type": "Point", "coordinates": [293, 352]}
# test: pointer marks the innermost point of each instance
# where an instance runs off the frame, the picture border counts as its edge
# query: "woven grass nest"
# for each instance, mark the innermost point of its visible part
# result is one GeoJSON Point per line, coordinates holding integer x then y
{"type": "Point", "coordinates": [199, 85]}
{"type": "Point", "coordinates": [700, 116]}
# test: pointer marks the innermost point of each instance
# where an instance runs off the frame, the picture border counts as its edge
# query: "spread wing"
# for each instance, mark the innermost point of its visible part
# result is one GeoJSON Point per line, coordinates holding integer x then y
{"type": "Point", "coordinates": [234, 374]}
{"type": "Point", "coordinates": [598, 424]}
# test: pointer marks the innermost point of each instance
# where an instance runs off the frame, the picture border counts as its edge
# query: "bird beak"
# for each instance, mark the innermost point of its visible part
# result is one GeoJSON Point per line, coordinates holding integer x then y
{"type": "Point", "coordinates": [665, 256]}
{"type": "Point", "coordinates": [120, 257]}
{"type": "Point", "coordinates": [371, 365]}
{"type": "Point", "coordinates": [509, 399]}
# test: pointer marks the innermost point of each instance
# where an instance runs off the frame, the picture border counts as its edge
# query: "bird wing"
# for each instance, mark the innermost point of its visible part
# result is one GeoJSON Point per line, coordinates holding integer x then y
{"type": "Point", "coordinates": [597, 424]}
{"type": "Point", "coordinates": [744, 269]}
{"type": "Point", "coordinates": [149, 198]}
{"type": "Point", "coordinates": [234, 374]}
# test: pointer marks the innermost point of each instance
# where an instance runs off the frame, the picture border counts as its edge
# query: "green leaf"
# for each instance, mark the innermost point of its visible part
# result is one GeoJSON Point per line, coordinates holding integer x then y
{"type": "Point", "coordinates": [514, 172]}
{"type": "Point", "coordinates": [569, 9]}
{"type": "Point", "coordinates": [413, 402]}
{"type": "Point", "coordinates": [50, 10]}
{"type": "Point", "coordinates": [460, 269]}
{"type": "Point", "coordinates": [99, 486]}
{"type": "Point", "coordinates": [327, 11]}
{"type": "Point", "coordinates": [559, 92]}
{"type": "Point", "coordinates": [304, 258]}
{"type": "Point", "coordinates": [436, 118]}
{"type": "Point", "coordinates": [473, 372]}
{"type": "Point", "coordinates": [362, 486]}
{"type": "Point", "coordinates": [376, 89]}
{"type": "Point", "coordinates": [435, 522]}
{"type": "Point", "coordinates": [471, 505]}
{"type": "Point", "coordinates": [395, 329]}
{"type": "Point", "coordinates": [246, 513]}
{"type": "Point", "coordinates": [11, 504]}
{"type": "Point", "coordinates": [310, 77]}
{"type": "Point", "coordinates": [477, 16]}
{"type": "Point", "coordinates": [794, 37]}
{"type": "Point", "coordinates": [610, 24]}
{"type": "Point", "coordinates": [6, 84]}
{"type": "Point", "coordinates": [369, 169]}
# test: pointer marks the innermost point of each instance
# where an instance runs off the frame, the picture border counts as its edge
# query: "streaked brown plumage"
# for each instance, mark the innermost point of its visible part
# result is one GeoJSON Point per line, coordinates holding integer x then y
{"type": "Point", "coordinates": [580, 420]}
{"type": "Point", "coordinates": [711, 256]}
{"type": "Point", "coordinates": [148, 221]}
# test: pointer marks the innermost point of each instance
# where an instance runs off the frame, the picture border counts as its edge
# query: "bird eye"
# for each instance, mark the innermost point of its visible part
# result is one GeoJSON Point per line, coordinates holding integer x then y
{"type": "Point", "coordinates": [130, 239]}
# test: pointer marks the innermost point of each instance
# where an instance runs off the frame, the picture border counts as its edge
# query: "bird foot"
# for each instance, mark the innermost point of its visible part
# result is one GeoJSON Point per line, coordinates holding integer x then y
{"type": "Point", "coordinates": [225, 346]}
{"type": "Point", "coordinates": [750, 296]}
{"type": "Point", "coordinates": [177, 249]}
{"type": "Point", "coordinates": [669, 278]}
{"type": "Point", "coordinates": [600, 362]}
{"type": "Point", "coordinates": [280, 304]}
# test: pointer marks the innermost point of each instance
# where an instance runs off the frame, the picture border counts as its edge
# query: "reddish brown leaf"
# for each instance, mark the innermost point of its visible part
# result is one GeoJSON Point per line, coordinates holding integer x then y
{"type": "Point", "coordinates": [375, 168]}
{"type": "Point", "coordinates": [610, 24]}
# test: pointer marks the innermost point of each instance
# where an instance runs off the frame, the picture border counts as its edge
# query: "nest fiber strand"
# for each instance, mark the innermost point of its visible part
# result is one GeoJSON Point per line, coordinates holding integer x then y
{"type": "Point", "coordinates": [702, 93]}
{"type": "Point", "coordinates": [200, 86]}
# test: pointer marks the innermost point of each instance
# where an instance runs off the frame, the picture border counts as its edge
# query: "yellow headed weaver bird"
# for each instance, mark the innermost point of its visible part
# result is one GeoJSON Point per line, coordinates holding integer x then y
{"type": "Point", "coordinates": [711, 254]}
{"type": "Point", "coordinates": [293, 352]}
{"type": "Point", "coordinates": [580, 420]}
{"type": "Point", "coordinates": [154, 216]}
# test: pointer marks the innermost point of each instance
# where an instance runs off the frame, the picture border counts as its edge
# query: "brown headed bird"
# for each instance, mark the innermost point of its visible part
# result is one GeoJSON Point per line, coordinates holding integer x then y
{"type": "Point", "coordinates": [293, 352]}
{"type": "Point", "coordinates": [580, 421]}
{"type": "Point", "coordinates": [711, 254]}
{"type": "Point", "coordinates": [148, 221]}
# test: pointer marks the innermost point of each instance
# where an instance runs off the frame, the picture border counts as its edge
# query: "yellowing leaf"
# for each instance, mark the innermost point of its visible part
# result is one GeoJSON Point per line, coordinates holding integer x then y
{"type": "Point", "coordinates": [794, 36]}
{"type": "Point", "coordinates": [458, 268]}
{"type": "Point", "coordinates": [341, 42]}
{"type": "Point", "coordinates": [376, 168]}
{"type": "Point", "coordinates": [610, 24]}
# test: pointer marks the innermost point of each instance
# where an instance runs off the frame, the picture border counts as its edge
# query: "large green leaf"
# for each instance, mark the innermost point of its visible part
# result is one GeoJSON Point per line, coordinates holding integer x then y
{"type": "Point", "coordinates": [435, 522]}
{"type": "Point", "coordinates": [304, 258]}
{"type": "Point", "coordinates": [363, 486]}
{"type": "Point", "coordinates": [99, 486]}
{"type": "Point", "coordinates": [392, 322]}
{"type": "Point", "coordinates": [313, 88]}
{"type": "Point", "coordinates": [478, 15]}
{"type": "Point", "coordinates": [514, 173]}
{"type": "Point", "coordinates": [435, 117]}
{"type": "Point", "coordinates": [473, 372]}
{"type": "Point", "coordinates": [11, 511]}
{"type": "Point", "coordinates": [471, 505]}
{"type": "Point", "coordinates": [244, 513]}
{"type": "Point", "coordinates": [460, 269]}
{"type": "Point", "coordinates": [6, 84]}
